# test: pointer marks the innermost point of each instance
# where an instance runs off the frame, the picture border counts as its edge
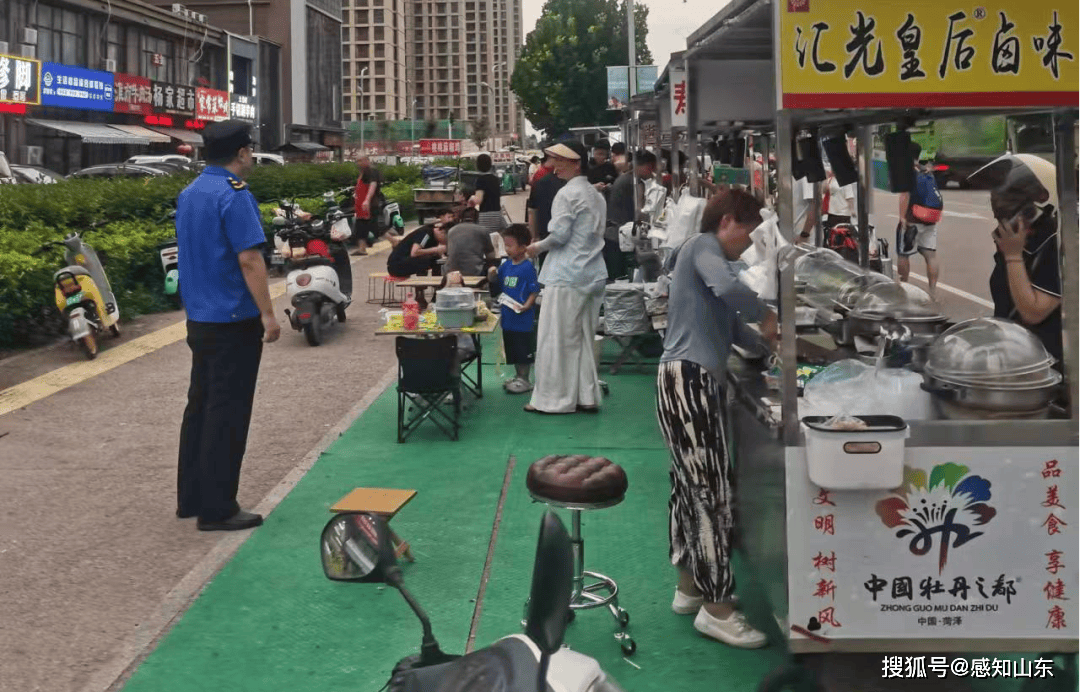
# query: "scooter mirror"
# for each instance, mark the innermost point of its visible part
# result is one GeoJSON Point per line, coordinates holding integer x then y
{"type": "Point", "coordinates": [552, 586]}
{"type": "Point", "coordinates": [357, 547]}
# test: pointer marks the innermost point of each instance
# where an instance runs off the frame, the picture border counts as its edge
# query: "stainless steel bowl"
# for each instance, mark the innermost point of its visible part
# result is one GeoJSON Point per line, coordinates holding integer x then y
{"type": "Point", "coordinates": [987, 398]}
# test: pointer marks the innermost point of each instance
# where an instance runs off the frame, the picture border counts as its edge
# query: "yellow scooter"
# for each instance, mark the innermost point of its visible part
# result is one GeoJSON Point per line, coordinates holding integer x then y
{"type": "Point", "coordinates": [83, 295]}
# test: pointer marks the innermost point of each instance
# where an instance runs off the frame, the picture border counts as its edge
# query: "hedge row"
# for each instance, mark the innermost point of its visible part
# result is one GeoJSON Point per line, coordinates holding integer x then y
{"type": "Point", "coordinates": [131, 220]}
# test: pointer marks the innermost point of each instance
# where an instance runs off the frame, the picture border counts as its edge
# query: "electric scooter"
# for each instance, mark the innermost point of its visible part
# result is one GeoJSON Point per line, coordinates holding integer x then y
{"type": "Point", "coordinates": [313, 284]}
{"type": "Point", "coordinates": [169, 252]}
{"type": "Point", "coordinates": [358, 547]}
{"type": "Point", "coordinates": [83, 294]}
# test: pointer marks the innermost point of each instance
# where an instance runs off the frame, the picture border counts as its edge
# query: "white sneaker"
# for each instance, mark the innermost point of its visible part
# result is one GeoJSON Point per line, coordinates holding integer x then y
{"type": "Point", "coordinates": [518, 386]}
{"type": "Point", "coordinates": [686, 605]}
{"type": "Point", "coordinates": [735, 630]}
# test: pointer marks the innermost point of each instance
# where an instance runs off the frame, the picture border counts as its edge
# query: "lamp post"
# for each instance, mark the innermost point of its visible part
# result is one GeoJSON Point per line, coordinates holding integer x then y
{"type": "Point", "coordinates": [412, 128]}
{"type": "Point", "coordinates": [362, 73]}
{"type": "Point", "coordinates": [491, 109]}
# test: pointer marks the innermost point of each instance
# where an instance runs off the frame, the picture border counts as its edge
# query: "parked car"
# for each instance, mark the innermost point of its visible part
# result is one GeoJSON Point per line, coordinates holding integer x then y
{"type": "Point", "coordinates": [154, 158]}
{"type": "Point", "coordinates": [263, 159]}
{"type": "Point", "coordinates": [118, 170]}
{"type": "Point", "coordinates": [35, 174]}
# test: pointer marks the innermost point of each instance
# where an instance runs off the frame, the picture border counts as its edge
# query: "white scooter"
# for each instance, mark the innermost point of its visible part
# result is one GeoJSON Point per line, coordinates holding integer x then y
{"type": "Point", "coordinates": [317, 267]}
{"type": "Point", "coordinates": [358, 547]}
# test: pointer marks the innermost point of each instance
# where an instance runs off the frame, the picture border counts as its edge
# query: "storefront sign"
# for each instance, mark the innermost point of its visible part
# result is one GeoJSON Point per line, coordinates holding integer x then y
{"type": "Point", "coordinates": [925, 53]}
{"type": "Point", "coordinates": [19, 80]}
{"type": "Point", "coordinates": [243, 107]}
{"type": "Point", "coordinates": [132, 94]}
{"type": "Point", "coordinates": [678, 97]}
{"type": "Point", "coordinates": [76, 87]}
{"type": "Point", "coordinates": [174, 99]}
{"type": "Point", "coordinates": [440, 147]}
{"type": "Point", "coordinates": [211, 104]}
{"type": "Point", "coordinates": [978, 542]}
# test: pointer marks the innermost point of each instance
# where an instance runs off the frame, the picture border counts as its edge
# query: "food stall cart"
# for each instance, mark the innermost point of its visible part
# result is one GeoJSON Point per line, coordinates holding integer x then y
{"type": "Point", "coordinates": [965, 542]}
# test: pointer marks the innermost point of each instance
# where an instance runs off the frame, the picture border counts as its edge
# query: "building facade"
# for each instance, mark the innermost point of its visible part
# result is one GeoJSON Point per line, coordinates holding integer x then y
{"type": "Point", "coordinates": [306, 37]}
{"type": "Point", "coordinates": [433, 60]}
{"type": "Point", "coordinates": [82, 83]}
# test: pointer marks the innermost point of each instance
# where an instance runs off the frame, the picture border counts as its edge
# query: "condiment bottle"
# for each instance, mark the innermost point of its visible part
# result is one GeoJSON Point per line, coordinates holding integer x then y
{"type": "Point", "coordinates": [410, 313]}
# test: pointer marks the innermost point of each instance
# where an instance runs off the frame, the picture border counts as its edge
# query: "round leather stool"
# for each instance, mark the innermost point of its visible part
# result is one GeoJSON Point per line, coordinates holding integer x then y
{"type": "Point", "coordinates": [581, 483]}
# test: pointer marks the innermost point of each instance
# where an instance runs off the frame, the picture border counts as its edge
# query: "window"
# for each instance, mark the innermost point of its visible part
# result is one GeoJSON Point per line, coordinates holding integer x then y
{"type": "Point", "coordinates": [362, 17]}
{"type": "Point", "coordinates": [152, 47]}
{"type": "Point", "coordinates": [380, 85]}
{"type": "Point", "coordinates": [380, 68]}
{"type": "Point", "coordinates": [377, 17]}
{"type": "Point", "coordinates": [380, 50]}
{"type": "Point", "coordinates": [61, 36]}
{"type": "Point", "coordinates": [362, 34]}
{"type": "Point", "coordinates": [380, 33]}
{"type": "Point", "coordinates": [114, 48]}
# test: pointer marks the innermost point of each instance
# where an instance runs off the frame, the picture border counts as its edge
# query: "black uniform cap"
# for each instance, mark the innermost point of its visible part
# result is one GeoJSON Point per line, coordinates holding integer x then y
{"type": "Point", "coordinates": [224, 139]}
{"type": "Point", "coordinates": [602, 144]}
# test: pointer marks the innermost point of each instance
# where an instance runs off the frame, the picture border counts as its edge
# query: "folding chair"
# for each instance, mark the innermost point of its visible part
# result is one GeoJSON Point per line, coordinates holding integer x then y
{"type": "Point", "coordinates": [426, 375]}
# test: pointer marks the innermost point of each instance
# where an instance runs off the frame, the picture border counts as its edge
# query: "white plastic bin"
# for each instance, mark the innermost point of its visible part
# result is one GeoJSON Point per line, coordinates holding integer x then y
{"type": "Point", "coordinates": [871, 459]}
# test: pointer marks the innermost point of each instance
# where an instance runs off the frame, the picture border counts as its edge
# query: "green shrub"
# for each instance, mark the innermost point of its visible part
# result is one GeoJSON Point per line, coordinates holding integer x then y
{"type": "Point", "coordinates": [129, 216]}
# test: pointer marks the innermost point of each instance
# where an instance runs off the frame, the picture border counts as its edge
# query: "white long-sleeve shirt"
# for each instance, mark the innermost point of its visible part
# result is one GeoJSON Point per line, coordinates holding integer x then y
{"type": "Point", "coordinates": [575, 241]}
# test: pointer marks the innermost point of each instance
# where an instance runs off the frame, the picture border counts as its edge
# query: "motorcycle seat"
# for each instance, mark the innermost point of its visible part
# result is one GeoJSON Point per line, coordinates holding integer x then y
{"type": "Point", "coordinates": [74, 270]}
{"type": "Point", "coordinates": [508, 665]}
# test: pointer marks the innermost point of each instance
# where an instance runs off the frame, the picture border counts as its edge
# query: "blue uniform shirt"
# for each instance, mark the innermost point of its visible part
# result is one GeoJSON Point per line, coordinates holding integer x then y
{"type": "Point", "coordinates": [519, 282]}
{"type": "Point", "coordinates": [217, 218]}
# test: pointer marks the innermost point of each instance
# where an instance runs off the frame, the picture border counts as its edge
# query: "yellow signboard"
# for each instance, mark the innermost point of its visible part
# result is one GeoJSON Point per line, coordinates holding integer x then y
{"type": "Point", "coordinates": [928, 53]}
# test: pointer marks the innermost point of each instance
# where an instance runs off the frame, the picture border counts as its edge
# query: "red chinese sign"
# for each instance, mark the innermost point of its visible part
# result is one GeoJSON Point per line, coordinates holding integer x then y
{"type": "Point", "coordinates": [132, 94]}
{"type": "Point", "coordinates": [440, 147]}
{"type": "Point", "coordinates": [1055, 588]}
{"type": "Point", "coordinates": [211, 104]}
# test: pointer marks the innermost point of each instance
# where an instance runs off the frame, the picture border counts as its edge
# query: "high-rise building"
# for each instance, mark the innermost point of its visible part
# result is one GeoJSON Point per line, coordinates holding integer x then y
{"type": "Point", "coordinates": [449, 58]}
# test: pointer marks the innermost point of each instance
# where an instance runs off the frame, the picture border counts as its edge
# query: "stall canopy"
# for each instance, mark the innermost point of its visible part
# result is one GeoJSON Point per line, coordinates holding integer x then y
{"type": "Point", "coordinates": [140, 131]}
{"type": "Point", "coordinates": [185, 136]}
{"type": "Point", "coordinates": [91, 133]}
{"type": "Point", "coordinates": [306, 146]}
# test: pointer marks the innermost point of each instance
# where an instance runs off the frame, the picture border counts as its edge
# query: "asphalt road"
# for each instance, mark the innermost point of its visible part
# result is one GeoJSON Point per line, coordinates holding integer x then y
{"type": "Point", "coordinates": [965, 249]}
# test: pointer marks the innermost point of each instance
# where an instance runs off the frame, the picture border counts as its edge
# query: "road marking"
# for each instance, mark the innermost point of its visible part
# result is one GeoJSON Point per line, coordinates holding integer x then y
{"type": "Point", "coordinates": [139, 644]}
{"type": "Point", "coordinates": [955, 291]}
{"type": "Point", "coordinates": [26, 393]}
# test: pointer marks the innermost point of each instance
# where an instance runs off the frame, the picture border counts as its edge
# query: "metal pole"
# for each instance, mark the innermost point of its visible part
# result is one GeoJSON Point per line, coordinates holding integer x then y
{"type": "Point", "coordinates": [363, 120]}
{"type": "Point", "coordinates": [863, 190]}
{"type": "Point", "coordinates": [691, 128]}
{"type": "Point", "coordinates": [1065, 160]}
{"type": "Point", "coordinates": [788, 349]}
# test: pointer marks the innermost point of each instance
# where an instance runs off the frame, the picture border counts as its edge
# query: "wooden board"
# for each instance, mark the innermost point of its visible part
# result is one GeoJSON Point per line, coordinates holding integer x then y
{"type": "Point", "coordinates": [486, 327]}
{"type": "Point", "coordinates": [382, 501]}
{"type": "Point", "coordinates": [436, 281]}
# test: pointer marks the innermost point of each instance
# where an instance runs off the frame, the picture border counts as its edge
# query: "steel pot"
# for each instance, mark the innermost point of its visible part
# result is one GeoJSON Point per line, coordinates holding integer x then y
{"type": "Point", "coordinates": [989, 398]}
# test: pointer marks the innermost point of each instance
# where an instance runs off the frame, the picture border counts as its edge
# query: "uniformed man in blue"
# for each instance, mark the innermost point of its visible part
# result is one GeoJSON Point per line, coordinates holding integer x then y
{"type": "Point", "coordinates": [225, 293]}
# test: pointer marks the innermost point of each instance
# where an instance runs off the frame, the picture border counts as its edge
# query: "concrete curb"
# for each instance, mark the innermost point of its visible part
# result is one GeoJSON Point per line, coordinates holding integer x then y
{"type": "Point", "coordinates": [133, 651]}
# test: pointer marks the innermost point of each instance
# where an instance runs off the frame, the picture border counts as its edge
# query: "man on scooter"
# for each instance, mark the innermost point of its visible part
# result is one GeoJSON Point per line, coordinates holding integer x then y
{"type": "Point", "coordinates": [230, 316]}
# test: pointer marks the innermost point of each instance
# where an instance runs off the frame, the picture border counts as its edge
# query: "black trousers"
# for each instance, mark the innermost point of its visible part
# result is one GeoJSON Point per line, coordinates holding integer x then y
{"type": "Point", "coordinates": [413, 266]}
{"type": "Point", "coordinates": [224, 368]}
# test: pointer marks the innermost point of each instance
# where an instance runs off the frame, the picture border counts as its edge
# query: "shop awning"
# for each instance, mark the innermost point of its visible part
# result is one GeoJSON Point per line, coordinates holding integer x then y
{"type": "Point", "coordinates": [307, 146]}
{"type": "Point", "coordinates": [185, 136]}
{"type": "Point", "coordinates": [91, 133]}
{"type": "Point", "coordinates": [140, 131]}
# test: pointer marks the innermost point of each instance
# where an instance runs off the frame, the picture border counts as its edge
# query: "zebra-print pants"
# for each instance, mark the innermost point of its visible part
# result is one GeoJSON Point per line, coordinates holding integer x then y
{"type": "Point", "coordinates": [690, 408]}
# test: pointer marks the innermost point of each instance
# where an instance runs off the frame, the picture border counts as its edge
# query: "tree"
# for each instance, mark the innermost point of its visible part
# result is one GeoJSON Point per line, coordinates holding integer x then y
{"type": "Point", "coordinates": [561, 76]}
{"type": "Point", "coordinates": [481, 130]}
{"type": "Point", "coordinates": [431, 128]}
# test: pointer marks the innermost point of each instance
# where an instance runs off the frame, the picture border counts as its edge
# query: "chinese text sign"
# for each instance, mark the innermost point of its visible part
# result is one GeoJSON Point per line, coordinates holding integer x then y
{"type": "Point", "coordinates": [857, 54]}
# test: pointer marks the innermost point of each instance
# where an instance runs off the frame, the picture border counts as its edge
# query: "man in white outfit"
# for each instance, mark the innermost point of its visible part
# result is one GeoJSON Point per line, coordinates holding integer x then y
{"type": "Point", "coordinates": [573, 277]}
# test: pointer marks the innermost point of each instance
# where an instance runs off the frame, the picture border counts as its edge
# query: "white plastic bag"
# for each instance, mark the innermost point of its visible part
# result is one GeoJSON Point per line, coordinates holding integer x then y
{"type": "Point", "coordinates": [761, 257]}
{"type": "Point", "coordinates": [685, 221]}
{"type": "Point", "coordinates": [626, 237]}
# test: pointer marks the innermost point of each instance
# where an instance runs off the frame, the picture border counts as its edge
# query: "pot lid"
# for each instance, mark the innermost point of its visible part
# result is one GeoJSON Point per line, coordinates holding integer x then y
{"type": "Point", "coordinates": [851, 291]}
{"type": "Point", "coordinates": [985, 347]}
{"type": "Point", "coordinates": [895, 300]}
{"type": "Point", "coordinates": [1039, 379]}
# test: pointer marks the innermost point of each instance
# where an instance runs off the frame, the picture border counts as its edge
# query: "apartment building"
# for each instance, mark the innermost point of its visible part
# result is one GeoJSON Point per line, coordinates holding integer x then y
{"type": "Point", "coordinates": [432, 60]}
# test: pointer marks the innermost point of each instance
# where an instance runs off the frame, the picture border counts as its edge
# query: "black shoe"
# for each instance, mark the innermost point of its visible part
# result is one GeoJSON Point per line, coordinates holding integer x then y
{"type": "Point", "coordinates": [237, 522]}
{"type": "Point", "coordinates": [588, 409]}
{"type": "Point", "coordinates": [182, 515]}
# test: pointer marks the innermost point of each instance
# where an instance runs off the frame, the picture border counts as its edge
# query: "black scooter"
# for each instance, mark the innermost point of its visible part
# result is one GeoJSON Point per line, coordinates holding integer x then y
{"type": "Point", "coordinates": [357, 547]}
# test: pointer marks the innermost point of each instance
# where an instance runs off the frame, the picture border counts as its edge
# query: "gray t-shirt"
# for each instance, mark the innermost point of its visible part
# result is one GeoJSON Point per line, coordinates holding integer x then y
{"type": "Point", "coordinates": [467, 244]}
{"type": "Point", "coordinates": [708, 307]}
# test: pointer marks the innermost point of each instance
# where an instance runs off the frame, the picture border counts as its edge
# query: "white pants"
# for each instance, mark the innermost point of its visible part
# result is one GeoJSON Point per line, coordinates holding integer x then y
{"type": "Point", "coordinates": [565, 365]}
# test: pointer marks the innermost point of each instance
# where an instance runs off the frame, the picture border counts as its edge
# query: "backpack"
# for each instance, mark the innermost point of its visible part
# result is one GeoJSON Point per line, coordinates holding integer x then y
{"type": "Point", "coordinates": [843, 239]}
{"type": "Point", "coordinates": [926, 202]}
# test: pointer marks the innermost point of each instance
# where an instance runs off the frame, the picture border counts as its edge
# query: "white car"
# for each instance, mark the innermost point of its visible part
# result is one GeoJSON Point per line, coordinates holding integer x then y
{"type": "Point", "coordinates": [262, 159]}
{"type": "Point", "coordinates": [166, 158]}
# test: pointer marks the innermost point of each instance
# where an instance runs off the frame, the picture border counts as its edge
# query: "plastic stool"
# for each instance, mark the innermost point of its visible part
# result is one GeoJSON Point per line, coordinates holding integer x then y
{"type": "Point", "coordinates": [582, 483]}
{"type": "Point", "coordinates": [390, 297]}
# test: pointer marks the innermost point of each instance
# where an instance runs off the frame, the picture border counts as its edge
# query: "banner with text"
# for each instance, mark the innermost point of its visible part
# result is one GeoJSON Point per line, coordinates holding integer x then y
{"type": "Point", "coordinates": [19, 80]}
{"type": "Point", "coordinates": [926, 53]}
{"type": "Point", "coordinates": [132, 94]}
{"type": "Point", "coordinates": [211, 104]}
{"type": "Point", "coordinates": [174, 99]}
{"type": "Point", "coordinates": [440, 147]}
{"type": "Point", "coordinates": [66, 86]}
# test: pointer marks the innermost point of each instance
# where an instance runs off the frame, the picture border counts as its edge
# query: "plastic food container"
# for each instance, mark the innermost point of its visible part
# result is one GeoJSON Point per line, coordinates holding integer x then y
{"type": "Point", "coordinates": [455, 318]}
{"type": "Point", "coordinates": [455, 298]}
{"type": "Point", "coordinates": [871, 459]}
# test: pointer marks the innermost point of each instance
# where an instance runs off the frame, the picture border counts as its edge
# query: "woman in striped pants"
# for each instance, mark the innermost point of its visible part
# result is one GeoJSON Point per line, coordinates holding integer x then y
{"type": "Point", "coordinates": [706, 313]}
